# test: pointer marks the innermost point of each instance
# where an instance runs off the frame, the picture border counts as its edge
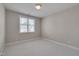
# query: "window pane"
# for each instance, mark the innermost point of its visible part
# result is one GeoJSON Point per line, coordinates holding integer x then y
{"type": "Point", "coordinates": [31, 25]}
{"type": "Point", "coordinates": [23, 24]}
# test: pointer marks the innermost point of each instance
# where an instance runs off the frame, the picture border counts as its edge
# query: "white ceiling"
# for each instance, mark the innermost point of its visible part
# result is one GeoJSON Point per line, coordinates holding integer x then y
{"type": "Point", "coordinates": [47, 8]}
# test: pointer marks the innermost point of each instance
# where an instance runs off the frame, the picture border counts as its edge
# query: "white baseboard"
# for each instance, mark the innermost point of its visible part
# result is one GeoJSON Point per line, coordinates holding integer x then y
{"type": "Point", "coordinates": [51, 40]}
{"type": "Point", "coordinates": [63, 44]}
{"type": "Point", "coordinates": [21, 41]}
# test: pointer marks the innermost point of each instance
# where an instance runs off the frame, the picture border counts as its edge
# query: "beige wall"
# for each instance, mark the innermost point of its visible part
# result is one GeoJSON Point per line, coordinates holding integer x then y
{"type": "Point", "coordinates": [12, 27]}
{"type": "Point", "coordinates": [2, 28]}
{"type": "Point", "coordinates": [63, 26]}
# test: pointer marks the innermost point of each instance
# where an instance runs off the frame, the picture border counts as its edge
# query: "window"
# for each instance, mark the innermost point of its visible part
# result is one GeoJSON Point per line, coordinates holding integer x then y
{"type": "Point", "coordinates": [27, 24]}
{"type": "Point", "coordinates": [23, 24]}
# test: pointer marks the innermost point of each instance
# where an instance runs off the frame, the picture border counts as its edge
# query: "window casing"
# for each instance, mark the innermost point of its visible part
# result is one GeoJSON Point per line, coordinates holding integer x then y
{"type": "Point", "coordinates": [27, 24]}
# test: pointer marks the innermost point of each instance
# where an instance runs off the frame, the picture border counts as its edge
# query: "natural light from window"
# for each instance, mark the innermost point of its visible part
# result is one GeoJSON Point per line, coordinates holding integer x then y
{"type": "Point", "coordinates": [27, 24]}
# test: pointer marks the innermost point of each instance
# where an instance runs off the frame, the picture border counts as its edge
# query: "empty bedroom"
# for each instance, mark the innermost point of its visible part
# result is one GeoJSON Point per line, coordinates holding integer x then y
{"type": "Point", "coordinates": [39, 29]}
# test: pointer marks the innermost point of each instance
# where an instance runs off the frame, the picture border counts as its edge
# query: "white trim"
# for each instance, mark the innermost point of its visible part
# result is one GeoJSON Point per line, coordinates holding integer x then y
{"type": "Point", "coordinates": [21, 41]}
{"type": "Point", "coordinates": [60, 43]}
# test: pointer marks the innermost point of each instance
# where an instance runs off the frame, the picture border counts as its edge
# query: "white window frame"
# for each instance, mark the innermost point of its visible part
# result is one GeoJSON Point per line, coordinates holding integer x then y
{"type": "Point", "coordinates": [27, 24]}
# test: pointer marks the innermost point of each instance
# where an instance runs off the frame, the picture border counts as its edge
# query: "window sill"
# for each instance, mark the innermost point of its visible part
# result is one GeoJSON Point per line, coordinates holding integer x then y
{"type": "Point", "coordinates": [25, 32]}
